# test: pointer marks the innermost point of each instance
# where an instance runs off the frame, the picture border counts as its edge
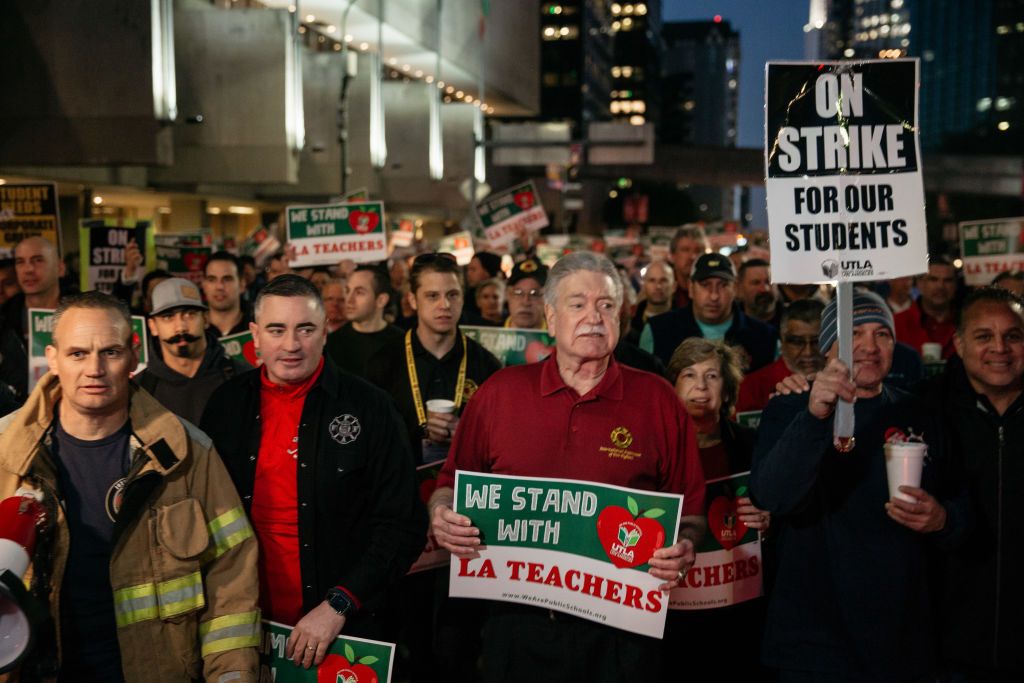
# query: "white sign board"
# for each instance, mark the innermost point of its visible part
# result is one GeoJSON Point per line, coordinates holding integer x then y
{"type": "Point", "coordinates": [843, 171]}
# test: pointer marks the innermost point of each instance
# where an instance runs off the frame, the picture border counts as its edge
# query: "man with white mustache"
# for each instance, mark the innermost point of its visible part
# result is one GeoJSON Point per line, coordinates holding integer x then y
{"type": "Point", "coordinates": [553, 419]}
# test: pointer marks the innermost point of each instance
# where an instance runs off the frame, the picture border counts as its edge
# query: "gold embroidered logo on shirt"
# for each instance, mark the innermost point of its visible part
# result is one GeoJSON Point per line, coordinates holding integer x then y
{"type": "Point", "coordinates": [621, 440]}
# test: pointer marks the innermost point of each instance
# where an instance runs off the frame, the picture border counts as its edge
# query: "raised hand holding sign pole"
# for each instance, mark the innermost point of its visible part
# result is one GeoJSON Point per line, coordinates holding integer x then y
{"type": "Point", "coordinates": [843, 178]}
{"type": "Point", "coordinates": [842, 434]}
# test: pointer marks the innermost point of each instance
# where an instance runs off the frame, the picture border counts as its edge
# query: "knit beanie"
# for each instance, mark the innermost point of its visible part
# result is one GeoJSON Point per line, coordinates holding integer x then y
{"type": "Point", "coordinates": [868, 307]}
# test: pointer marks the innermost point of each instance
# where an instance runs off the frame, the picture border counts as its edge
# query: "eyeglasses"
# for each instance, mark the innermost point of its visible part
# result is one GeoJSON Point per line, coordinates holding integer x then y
{"type": "Point", "coordinates": [800, 342]}
{"type": "Point", "coordinates": [518, 293]}
{"type": "Point", "coordinates": [433, 257]}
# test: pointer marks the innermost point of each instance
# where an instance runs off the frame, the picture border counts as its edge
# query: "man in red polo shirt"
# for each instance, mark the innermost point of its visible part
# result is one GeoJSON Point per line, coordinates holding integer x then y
{"type": "Point", "coordinates": [553, 419]}
{"type": "Point", "coordinates": [932, 318]}
{"type": "Point", "coordinates": [799, 328]}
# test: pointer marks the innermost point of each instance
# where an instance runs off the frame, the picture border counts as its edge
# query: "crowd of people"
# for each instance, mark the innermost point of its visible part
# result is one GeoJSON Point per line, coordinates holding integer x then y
{"type": "Point", "coordinates": [190, 500]}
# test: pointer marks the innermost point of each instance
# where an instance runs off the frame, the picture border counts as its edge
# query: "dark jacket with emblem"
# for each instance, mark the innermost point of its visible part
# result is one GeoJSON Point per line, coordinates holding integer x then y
{"type": "Point", "coordinates": [389, 370]}
{"type": "Point", "coordinates": [183, 568]}
{"type": "Point", "coordinates": [361, 523]}
{"type": "Point", "coordinates": [758, 339]}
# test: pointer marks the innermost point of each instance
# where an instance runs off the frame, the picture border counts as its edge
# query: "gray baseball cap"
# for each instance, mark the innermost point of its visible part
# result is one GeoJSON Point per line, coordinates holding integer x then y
{"type": "Point", "coordinates": [176, 293]}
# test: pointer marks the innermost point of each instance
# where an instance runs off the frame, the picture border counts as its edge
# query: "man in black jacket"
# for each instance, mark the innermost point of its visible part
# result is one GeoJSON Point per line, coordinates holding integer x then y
{"type": "Point", "coordinates": [324, 470]}
{"type": "Point", "coordinates": [981, 404]}
{"type": "Point", "coordinates": [712, 314]}
{"type": "Point", "coordinates": [186, 361]}
{"type": "Point", "coordinates": [435, 360]}
{"type": "Point", "coordinates": [851, 598]}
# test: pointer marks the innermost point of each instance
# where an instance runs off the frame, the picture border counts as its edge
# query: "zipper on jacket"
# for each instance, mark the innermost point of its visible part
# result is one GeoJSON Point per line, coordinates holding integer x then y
{"type": "Point", "coordinates": [999, 546]}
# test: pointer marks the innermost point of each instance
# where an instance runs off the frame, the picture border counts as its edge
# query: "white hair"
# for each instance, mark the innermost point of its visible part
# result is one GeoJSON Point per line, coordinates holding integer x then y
{"type": "Point", "coordinates": [580, 261]}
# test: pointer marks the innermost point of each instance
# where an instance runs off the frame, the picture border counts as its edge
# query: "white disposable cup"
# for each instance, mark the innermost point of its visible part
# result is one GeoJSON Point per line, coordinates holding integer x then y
{"type": "Point", "coordinates": [441, 406]}
{"type": "Point", "coordinates": [903, 465]}
{"type": "Point", "coordinates": [931, 352]}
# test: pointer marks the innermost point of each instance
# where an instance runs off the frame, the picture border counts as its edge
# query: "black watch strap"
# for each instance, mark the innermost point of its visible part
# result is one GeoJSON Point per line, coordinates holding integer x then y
{"type": "Point", "coordinates": [340, 602]}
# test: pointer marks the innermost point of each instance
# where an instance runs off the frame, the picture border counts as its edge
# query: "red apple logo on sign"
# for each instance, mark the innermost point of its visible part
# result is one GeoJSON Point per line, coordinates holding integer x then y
{"type": "Point", "coordinates": [338, 669]}
{"type": "Point", "coordinates": [630, 536]}
{"type": "Point", "coordinates": [194, 262]}
{"type": "Point", "coordinates": [536, 351]}
{"type": "Point", "coordinates": [363, 221]}
{"type": "Point", "coordinates": [524, 200]}
{"type": "Point", "coordinates": [725, 522]}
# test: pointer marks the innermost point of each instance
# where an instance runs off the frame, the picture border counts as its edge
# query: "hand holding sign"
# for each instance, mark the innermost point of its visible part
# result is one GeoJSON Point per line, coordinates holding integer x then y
{"type": "Point", "coordinates": [454, 532]}
{"type": "Point", "coordinates": [672, 563]}
{"type": "Point", "coordinates": [831, 384]}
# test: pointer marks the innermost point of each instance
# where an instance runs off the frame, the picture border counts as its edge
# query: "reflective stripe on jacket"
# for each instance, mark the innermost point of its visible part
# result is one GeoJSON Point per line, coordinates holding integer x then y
{"type": "Point", "coordinates": [183, 569]}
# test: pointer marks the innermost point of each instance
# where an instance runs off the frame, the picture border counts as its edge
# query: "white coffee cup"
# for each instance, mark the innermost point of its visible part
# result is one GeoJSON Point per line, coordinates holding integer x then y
{"type": "Point", "coordinates": [931, 352]}
{"type": "Point", "coordinates": [441, 406]}
{"type": "Point", "coordinates": [903, 465]}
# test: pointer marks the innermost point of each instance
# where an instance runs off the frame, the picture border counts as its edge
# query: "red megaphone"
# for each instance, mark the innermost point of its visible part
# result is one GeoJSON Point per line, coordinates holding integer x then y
{"type": "Point", "coordinates": [20, 518]}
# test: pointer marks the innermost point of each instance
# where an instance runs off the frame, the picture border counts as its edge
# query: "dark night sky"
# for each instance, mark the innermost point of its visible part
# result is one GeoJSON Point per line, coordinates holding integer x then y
{"type": "Point", "coordinates": [769, 30]}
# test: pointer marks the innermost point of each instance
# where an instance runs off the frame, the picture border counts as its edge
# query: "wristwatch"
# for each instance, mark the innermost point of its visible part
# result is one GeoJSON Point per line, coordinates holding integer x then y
{"type": "Point", "coordinates": [339, 601]}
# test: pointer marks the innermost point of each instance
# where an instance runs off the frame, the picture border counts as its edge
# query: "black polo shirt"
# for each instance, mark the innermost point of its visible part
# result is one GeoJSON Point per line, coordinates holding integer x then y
{"type": "Point", "coordinates": [437, 377]}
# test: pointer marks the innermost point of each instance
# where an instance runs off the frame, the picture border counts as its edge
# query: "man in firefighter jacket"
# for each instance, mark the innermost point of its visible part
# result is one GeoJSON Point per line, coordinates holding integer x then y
{"type": "Point", "coordinates": [145, 559]}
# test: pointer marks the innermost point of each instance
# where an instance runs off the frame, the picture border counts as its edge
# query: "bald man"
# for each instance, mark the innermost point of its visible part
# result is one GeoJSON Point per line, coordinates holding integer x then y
{"type": "Point", "coordinates": [38, 268]}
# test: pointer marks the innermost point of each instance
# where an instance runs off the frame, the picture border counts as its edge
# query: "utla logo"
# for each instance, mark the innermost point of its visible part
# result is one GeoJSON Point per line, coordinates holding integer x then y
{"type": "Point", "coordinates": [725, 523]}
{"type": "Point", "coordinates": [347, 669]}
{"type": "Point", "coordinates": [524, 200]}
{"type": "Point", "coordinates": [363, 221]}
{"type": "Point", "coordinates": [628, 534]}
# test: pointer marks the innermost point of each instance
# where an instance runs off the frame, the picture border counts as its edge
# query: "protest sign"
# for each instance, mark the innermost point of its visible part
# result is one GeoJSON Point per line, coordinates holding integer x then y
{"type": "Point", "coordinates": [324, 234]}
{"type": "Point", "coordinates": [459, 245]}
{"type": "Point", "coordinates": [402, 233]}
{"type": "Point", "coordinates": [505, 214]}
{"type": "Point", "coordinates": [202, 237]}
{"type": "Point", "coordinates": [842, 162]}
{"type": "Point", "coordinates": [28, 210]}
{"type": "Point", "coordinates": [182, 260]}
{"type": "Point", "coordinates": [512, 345]}
{"type": "Point", "coordinates": [241, 347]}
{"type": "Point", "coordinates": [728, 569]}
{"type": "Point", "coordinates": [348, 660]}
{"type": "Point", "coordinates": [991, 247]}
{"type": "Point", "coordinates": [750, 418]}
{"type": "Point", "coordinates": [102, 244]}
{"type": "Point", "coordinates": [433, 555]}
{"type": "Point", "coordinates": [40, 335]}
{"type": "Point", "coordinates": [573, 546]}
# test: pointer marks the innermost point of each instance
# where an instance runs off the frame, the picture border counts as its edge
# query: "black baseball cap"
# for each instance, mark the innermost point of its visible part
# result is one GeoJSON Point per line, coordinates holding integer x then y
{"type": "Point", "coordinates": [713, 265]}
{"type": "Point", "coordinates": [530, 268]}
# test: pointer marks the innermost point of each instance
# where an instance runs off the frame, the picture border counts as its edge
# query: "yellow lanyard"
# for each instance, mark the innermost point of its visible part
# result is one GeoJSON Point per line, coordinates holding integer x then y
{"type": "Point", "coordinates": [414, 380]}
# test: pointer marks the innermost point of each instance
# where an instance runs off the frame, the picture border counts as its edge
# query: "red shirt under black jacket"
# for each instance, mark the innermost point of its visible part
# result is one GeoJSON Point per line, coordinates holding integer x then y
{"type": "Point", "coordinates": [525, 421]}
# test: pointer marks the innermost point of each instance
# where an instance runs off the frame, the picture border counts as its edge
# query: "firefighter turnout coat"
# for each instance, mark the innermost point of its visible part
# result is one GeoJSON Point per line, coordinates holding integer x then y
{"type": "Point", "coordinates": [183, 567]}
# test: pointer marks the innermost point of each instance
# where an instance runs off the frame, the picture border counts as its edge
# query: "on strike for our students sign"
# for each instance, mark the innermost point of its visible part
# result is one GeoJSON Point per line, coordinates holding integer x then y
{"type": "Point", "coordinates": [843, 172]}
{"type": "Point", "coordinates": [577, 547]}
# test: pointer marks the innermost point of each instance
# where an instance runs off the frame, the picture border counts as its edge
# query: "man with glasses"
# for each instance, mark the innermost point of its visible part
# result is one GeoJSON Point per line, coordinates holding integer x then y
{"type": "Point", "coordinates": [186, 361]}
{"type": "Point", "coordinates": [711, 315]}
{"type": "Point", "coordinates": [525, 294]}
{"type": "Point", "coordinates": [801, 323]}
